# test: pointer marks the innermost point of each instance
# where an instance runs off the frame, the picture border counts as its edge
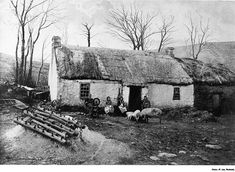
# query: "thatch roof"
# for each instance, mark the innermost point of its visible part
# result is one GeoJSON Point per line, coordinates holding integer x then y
{"type": "Point", "coordinates": [207, 73]}
{"type": "Point", "coordinates": [128, 66]}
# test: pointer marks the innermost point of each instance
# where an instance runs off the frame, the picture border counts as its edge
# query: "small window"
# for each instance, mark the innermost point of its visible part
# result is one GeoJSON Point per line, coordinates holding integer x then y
{"type": "Point", "coordinates": [176, 95]}
{"type": "Point", "coordinates": [85, 91]}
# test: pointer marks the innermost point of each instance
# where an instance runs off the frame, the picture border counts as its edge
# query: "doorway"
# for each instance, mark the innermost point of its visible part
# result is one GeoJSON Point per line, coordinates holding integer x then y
{"type": "Point", "coordinates": [216, 104]}
{"type": "Point", "coordinates": [135, 98]}
{"type": "Point", "coordinates": [215, 101]}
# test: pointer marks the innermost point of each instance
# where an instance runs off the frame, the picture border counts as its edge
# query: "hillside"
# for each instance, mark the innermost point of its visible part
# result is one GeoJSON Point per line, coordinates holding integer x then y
{"type": "Point", "coordinates": [7, 63]}
{"type": "Point", "coordinates": [214, 52]}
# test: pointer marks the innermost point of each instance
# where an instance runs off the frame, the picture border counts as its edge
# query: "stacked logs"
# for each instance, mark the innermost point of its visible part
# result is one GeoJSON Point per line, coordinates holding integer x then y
{"type": "Point", "coordinates": [55, 126]}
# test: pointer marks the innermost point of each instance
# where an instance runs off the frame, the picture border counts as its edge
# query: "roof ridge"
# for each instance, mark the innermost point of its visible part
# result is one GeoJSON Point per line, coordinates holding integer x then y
{"type": "Point", "coordinates": [151, 53]}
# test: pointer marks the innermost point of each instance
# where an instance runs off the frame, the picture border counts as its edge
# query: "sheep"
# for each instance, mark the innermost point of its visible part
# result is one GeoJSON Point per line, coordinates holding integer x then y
{"type": "Point", "coordinates": [133, 115]}
{"type": "Point", "coordinates": [129, 114]}
{"type": "Point", "coordinates": [149, 113]}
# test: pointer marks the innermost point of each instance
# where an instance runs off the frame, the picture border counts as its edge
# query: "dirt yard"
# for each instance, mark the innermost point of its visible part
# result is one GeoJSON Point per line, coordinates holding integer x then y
{"type": "Point", "coordinates": [115, 140]}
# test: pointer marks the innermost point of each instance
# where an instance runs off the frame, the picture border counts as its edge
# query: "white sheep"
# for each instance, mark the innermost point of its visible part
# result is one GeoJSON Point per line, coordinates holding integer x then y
{"type": "Point", "coordinates": [132, 115]}
{"type": "Point", "coordinates": [129, 114]}
{"type": "Point", "coordinates": [149, 113]}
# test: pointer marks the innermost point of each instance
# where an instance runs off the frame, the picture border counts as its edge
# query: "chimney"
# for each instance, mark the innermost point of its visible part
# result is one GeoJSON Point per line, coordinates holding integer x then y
{"type": "Point", "coordinates": [170, 51]}
{"type": "Point", "coordinates": [56, 41]}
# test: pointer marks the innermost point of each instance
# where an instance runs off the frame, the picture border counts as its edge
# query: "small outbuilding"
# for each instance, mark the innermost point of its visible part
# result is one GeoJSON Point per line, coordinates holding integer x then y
{"type": "Point", "coordinates": [79, 72]}
{"type": "Point", "coordinates": [214, 85]}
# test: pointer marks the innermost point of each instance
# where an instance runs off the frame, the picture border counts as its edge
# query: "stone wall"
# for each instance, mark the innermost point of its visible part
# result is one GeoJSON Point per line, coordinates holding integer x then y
{"type": "Point", "coordinates": [204, 97]}
{"type": "Point", "coordinates": [161, 95]}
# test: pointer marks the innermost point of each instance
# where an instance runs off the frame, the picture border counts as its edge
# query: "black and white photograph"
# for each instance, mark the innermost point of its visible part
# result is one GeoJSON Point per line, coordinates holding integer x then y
{"type": "Point", "coordinates": [117, 82]}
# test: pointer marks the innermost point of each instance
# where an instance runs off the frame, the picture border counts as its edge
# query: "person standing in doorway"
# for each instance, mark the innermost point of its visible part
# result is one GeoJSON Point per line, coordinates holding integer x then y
{"type": "Point", "coordinates": [145, 103]}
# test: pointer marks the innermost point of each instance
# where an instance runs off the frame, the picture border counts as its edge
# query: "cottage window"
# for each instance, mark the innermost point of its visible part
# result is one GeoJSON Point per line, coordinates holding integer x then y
{"type": "Point", "coordinates": [85, 91]}
{"type": "Point", "coordinates": [176, 95]}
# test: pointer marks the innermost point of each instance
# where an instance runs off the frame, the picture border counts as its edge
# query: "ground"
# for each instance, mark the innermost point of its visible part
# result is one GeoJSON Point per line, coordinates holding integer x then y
{"type": "Point", "coordinates": [116, 140]}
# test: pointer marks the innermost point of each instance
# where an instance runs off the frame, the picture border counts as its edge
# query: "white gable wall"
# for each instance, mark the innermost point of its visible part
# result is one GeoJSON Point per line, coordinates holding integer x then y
{"type": "Point", "coordinates": [69, 91]}
{"type": "Point", "coordinates": [161, 95]}
{"type": "Point", "coordinates": [53, 77]}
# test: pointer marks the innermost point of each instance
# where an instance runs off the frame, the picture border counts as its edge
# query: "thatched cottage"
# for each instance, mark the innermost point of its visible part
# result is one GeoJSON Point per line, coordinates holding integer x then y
{"type": "Point", "coordinates": [77, 72]}
{"type": "Point", "coordinates": [214, 85]}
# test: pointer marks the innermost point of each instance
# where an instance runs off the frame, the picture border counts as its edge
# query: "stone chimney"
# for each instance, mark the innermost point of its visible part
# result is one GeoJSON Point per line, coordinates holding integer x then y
{"type": "Point", "coordinates": [56, 41]}
{"type": "Point", "coordinates": [170, 51]}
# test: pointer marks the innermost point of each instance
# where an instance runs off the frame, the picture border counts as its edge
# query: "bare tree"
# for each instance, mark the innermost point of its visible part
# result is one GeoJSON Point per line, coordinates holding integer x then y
{"type": "Point", "coordinates": [16, 57]}
{"type": "Point", "coordinates": [198, 36]}
{"type": "Point", "coordinates": [28, 12]}
{"type": "Point", "coordinates": [131, 26]}
{"type": "Point", "coordinates": [87, 32]}
{"type": "Point", "coordinates": [165, 32]}
{"type": "Point", "coordinates": [43, 21]}
{"type": "Point", "coordinates": [21, 10]}
{"type": "Point", "coordinates": [26, 55]}
{"type": "Point", "coordinates": [42, 62]}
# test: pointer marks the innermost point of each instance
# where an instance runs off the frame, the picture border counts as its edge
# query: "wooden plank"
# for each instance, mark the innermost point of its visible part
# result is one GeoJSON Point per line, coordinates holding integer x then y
{"type": "Point", "coordinates": [41, 131]}
{"type": "Point", "coordinates": [50, 122]}
{"type": "Point", "coordinates": [57, 115]}
{"type": "Point", "coordinates": [53, 117]}
{"type": "Point", "coordinates": [63, 134]}
{"type": "Point", "coordinates": [26, 119]}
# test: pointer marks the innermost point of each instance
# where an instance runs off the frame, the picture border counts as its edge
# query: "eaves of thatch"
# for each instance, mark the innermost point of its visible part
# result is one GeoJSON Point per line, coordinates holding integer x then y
{"type": "Point", "coordinates": [205, 73]}
{"type": "Point", "coordinates": [127, 66]}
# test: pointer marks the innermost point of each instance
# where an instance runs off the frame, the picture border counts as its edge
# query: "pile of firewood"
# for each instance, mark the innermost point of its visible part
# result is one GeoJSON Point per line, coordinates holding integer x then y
{"type": "Point", "coordinates": [48, 123]}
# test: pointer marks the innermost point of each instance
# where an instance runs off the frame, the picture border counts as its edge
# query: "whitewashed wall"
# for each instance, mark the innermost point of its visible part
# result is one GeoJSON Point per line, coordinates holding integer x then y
{"type": "Point", "coordinates": [53, 77]}
{"type": "Point", "coordinates": [103, 89]}
{"type": "Point", "coordinates": [70, 90]}
{"type": "Point", "coordinates": [161, 95]}
{"type": "Point", "coordinates": [126, 93]}
{"type": "Point", "coordinates": [144, 92]}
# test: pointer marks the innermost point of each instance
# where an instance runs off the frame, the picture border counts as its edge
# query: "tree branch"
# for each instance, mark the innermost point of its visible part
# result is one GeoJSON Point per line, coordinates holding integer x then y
{"type": "Point", "coordinates": [131, 26]}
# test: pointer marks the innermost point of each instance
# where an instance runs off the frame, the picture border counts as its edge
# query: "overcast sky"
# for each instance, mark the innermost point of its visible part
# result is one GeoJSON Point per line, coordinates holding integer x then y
{"type": "Point", "coordinates": [221, 15]}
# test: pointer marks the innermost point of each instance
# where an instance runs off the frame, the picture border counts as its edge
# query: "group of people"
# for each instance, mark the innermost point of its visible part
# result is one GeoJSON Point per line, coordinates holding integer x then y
{"type": "Point", "coordinates": [121, 107]}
